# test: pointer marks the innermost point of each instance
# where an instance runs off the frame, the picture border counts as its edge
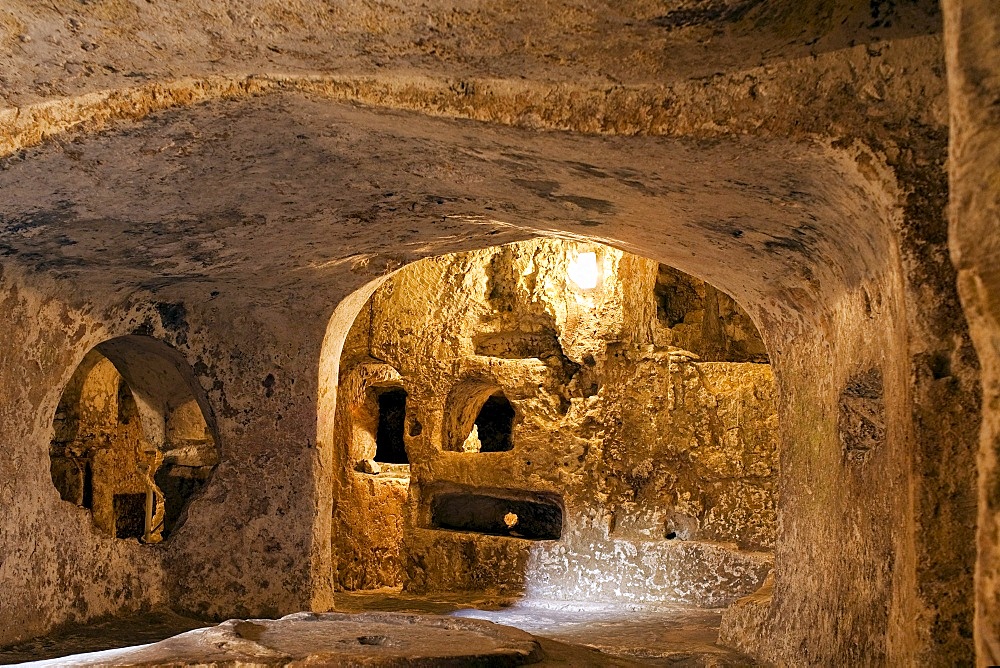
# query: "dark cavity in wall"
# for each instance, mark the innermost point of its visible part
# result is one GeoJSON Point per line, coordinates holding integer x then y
{"type": "Point", "coordinates": [861, 422]}
{"type": "Point", "coordinates": [389, 445]}
{"type": "Point", "coordinates": [130, 515]}
{"type": "Point", "coordinates": [705, 12]}
{"type": "Point", "coordinates": [697, 317]}
{"type": "Point", "coordinates": [495, 423]}
{"type": "Point", "coordinates": [674, 298]}
{"type": "Point", "coordinates": [538, 519]}
{"type": "Point", "coordinates": [179, 484]}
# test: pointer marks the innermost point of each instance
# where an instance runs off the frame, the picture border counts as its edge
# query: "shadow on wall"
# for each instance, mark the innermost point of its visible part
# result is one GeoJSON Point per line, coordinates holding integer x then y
{"type": "Point", "coordinates": [577, 424]}
{"type": "Point", "coordinates": [131, 442]}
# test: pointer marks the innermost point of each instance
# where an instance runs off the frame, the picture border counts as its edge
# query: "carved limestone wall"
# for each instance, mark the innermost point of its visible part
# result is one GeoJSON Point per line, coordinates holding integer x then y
{"type": "Point", "coordinates": [558, 444]}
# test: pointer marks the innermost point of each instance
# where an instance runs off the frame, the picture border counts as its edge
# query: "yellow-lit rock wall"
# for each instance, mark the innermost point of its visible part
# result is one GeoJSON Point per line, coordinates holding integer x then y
{"type": "Point", "coordinates": [972, 38]}
{"type": "Point", "coordinates": [665, 466]}
{"type": "Point", "coordinates": [98, 425]}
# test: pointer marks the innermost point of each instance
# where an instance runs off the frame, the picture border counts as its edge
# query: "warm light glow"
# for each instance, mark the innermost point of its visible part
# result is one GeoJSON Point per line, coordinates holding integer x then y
{"type": "Point", "coordinates": [583, 271]}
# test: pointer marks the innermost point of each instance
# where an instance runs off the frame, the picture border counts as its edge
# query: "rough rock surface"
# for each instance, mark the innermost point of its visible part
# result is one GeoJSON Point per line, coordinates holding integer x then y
{"type": "Point", "coordinates": [642, 448]}
{"type": "Point", "coordinates": [115, 632]}
{"type": "Point", "coordinates": [207, 155]}
{"type": "Point", "coordinates": [972, 31]}
{"type": "Point", "coordinates": [367, 639]}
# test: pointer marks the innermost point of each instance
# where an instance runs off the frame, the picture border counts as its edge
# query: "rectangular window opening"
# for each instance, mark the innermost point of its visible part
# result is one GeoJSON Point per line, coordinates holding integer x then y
{"type": "Point", "coordinates": [538, 519]}
{"type": "Point", "coordinates": [389, 445]}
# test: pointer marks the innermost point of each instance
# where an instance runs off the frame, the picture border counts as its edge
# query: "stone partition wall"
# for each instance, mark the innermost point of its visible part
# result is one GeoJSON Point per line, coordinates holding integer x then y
{"type": "Point", "coordinates": [661, 468]}
{"type": "Point", "coordinates": [68, 568]}
{"type": "Point", "coordinates": [972, 39]}
{"type": "Point", "coordinates": [65, 567]}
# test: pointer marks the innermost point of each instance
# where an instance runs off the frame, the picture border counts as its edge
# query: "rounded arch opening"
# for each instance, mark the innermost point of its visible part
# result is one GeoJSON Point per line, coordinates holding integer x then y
{"type": "Point", "coordinates": [494, 425]}
{"type": "Point", "coordinates": [133, 441]}
{"type": "Point", "coordinates": [642, 428]}
{"type": "Point", "coordinates": [480, 417]}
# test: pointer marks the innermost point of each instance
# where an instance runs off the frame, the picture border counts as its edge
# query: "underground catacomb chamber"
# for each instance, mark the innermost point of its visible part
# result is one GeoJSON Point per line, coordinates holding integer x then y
{"type": "Point", "coordinates": [580, 423]}
{"type": "Point", "coordinates": [131, 443]}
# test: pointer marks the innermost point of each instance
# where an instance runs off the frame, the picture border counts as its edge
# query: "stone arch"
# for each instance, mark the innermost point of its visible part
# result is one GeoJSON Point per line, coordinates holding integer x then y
{"type": "Point", "coordinates": [132, 440]}
{"type": "Point", "coordinates": [823, 282]}
{"type": "Point", "coordinates": [469, 407]}
{"type": "Point", "coordinates": [464, 376]}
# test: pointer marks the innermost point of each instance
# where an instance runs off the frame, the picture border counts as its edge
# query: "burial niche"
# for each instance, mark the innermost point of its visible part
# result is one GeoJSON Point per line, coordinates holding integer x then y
{"type": "Point", "coordinates": [534, 517]}
{"type": "Point", "coordinates": [389, 445]}
{"type": "Point", "coordinates": [131, 442]}
{"type": "Point", "coordinates": [480, 417]}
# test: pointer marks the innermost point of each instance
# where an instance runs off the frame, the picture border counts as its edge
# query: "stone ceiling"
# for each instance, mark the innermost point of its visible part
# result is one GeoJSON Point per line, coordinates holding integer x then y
{"type": "Point", "coordinates": [285, 194]}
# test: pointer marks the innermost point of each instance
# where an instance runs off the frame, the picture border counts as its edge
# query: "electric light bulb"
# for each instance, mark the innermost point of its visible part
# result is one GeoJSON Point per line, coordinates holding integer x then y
{"type": "Point", "coordinates": [583, 271]}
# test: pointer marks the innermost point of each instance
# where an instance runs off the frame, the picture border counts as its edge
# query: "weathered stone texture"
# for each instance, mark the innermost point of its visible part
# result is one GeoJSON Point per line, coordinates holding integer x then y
{"type": "Point", "coordinates": [369, 518]}
{"type": "Point", "coordinates": [214, 156]}
{"type": "Point", "coordinates": [696, 316]}
{"type": "Point", "coordinates": [641, 445]}
{"type": "Point", "coordinates": [89, 573]}
{"type": "Point", "coordinates": [86, 572]}
{"type": "Point", "coordinates": [369, 639]}
{"type": "Point", "coordinates": [972, 38]}
{"type": "Point", "coordinates": [691, 449]}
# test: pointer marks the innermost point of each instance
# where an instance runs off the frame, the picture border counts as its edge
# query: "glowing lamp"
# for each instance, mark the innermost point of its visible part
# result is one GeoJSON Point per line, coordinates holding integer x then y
{"type": "Point", "coordinates": [583, 271]}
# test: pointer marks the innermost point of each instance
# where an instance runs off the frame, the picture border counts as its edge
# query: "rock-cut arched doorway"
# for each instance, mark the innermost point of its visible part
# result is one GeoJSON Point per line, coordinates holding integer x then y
{"type": "Point", "coordinates": [578, 424]}
{"type": "Point", "coordinates": [131, 443]}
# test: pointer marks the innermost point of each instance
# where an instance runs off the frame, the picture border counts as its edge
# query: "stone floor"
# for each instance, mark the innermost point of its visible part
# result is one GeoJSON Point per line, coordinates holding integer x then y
{"type": "Point", "coordinates": [649, 635]}
{"type": "Point", "coordinates": [108, 634]}
{"type": "Point", "coordinates": [658, 636]}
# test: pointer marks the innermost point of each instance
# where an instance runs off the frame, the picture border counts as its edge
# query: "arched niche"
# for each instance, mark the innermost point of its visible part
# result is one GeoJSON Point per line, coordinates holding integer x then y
{"type": "Point", "coordinates": [374, 416]}
{"type": "Point", "coordinates": [480, 418]}
{"type": "Point", "coordinates": [131, 441]}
